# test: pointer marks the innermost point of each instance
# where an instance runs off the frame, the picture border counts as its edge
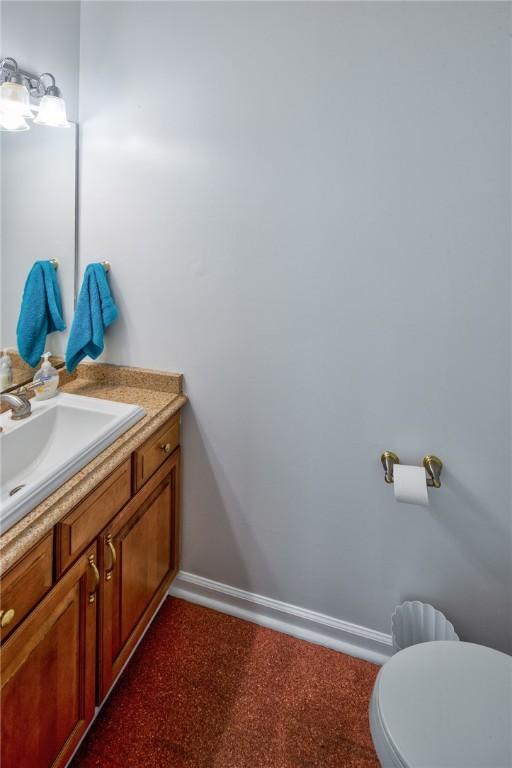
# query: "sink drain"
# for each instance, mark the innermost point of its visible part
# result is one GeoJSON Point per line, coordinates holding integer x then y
{"type": "Point", "coordinates": [16, 489]}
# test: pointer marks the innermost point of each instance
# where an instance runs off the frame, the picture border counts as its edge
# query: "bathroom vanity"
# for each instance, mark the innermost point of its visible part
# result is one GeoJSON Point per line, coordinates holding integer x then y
{"type": "Point", "coordinates": [84, 573]}
{"type": "Point", "coordinates": [89, 538]}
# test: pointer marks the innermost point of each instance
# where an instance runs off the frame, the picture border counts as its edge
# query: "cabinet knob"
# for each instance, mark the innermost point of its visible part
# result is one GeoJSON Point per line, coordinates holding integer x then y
{"type": "Point", "coordinates": [6, 617]}
{"type": "Point", "coordinates": [166, 447]}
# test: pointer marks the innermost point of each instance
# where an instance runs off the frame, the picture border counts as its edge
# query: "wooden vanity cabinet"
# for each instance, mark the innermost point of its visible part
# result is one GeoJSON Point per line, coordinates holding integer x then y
{"type": "Point", "coordinates": [111, 561]}
{"type": "Point", "coordinates": [139, 559]}
{"type": "Point", "coordinates": [48, 673]}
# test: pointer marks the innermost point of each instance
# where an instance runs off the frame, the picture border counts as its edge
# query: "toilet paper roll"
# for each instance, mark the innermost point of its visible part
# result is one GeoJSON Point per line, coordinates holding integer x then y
{"type": "Point", "coordinates": [410, 484]}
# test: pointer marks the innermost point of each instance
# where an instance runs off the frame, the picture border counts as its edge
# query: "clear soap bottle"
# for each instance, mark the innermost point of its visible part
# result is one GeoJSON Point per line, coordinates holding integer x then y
{"type": "Point", "coordinates": [46, 380]}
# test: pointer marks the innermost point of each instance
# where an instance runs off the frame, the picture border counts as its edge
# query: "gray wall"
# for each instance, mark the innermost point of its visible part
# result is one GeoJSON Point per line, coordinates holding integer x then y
{"type": "Point", "coordinates": [306, 207]}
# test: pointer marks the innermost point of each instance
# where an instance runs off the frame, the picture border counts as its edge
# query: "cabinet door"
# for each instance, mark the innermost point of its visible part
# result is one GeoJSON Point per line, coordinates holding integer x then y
{"type": "Point", "coordinates": [48, 673]}
{"type": "Point", "coordinates": [138, 558]}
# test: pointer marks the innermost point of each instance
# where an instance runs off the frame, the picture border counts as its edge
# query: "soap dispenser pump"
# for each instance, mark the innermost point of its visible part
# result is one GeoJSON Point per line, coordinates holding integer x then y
{"type": "Point", "coordinates": [46, 380]}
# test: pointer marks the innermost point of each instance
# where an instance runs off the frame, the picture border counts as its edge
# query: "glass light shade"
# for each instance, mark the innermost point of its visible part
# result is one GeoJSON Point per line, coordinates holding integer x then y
{"type": "Point", "coordinates": [15, 100]}
{"type": "Point", "coordinates": [52, 112]}
{"type": "Point", "coordinates": [10, 122]}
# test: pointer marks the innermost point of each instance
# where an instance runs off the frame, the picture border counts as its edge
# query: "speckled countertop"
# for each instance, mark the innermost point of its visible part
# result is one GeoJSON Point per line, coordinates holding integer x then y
{"type": "Point", "coordinates": [160, 394]}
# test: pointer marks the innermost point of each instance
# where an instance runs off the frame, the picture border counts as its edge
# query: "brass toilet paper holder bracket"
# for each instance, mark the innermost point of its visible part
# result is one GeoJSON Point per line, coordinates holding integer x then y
{"type": "Point", "coordinates": [433, 467]}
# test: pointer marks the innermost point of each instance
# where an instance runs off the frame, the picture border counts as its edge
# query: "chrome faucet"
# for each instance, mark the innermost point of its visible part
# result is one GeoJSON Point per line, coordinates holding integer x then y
{"type": "Point", "coordinates": [19, 402]}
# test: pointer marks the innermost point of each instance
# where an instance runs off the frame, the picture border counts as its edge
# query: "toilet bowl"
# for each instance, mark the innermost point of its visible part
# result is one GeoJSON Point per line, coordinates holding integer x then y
{"type": "Point", "coordinates": [443, 704]}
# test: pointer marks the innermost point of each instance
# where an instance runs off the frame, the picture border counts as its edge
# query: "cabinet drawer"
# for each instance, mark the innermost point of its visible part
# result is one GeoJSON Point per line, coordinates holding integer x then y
{"type": "Point", "coordinates": [156, 450]}
{"type": "Point", "coordinates": [25, 584]}
{"type": "Point", "coordinates": [83, 524]}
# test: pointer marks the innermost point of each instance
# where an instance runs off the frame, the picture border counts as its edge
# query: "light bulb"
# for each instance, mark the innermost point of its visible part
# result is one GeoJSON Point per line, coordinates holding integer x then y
{"type": "Point", "coordinates": [10, 122]}
{"type": "Point", "coordinates": [15, 100]}
{"type": "Point", "coordinates": [52, 112]}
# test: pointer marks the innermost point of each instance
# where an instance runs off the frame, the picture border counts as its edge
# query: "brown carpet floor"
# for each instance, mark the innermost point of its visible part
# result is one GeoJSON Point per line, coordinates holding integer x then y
{"type": "Point", "coordinates": [205, 690]}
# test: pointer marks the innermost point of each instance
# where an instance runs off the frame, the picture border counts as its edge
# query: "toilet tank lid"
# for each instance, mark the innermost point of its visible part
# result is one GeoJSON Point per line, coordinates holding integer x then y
{"type": "Point", "coordinates": [448, 703]}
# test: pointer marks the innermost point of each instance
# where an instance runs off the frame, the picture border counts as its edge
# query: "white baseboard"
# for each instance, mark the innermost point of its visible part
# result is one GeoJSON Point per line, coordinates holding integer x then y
{"type": "Point", "coordinates": [308, 625]}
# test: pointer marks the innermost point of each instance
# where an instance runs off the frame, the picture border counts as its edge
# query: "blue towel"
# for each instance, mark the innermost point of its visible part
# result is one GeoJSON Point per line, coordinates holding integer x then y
{"type": "Point", "coordinates": [40, 313]}
{"type": "Point", "coordinates": [95, 311]}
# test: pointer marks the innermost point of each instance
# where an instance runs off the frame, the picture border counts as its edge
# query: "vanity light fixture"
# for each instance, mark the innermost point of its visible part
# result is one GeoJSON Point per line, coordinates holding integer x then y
{"type": "Point", "coordinates": [52, 109]}
{"type": "Point", "coordinates": [16, 89]}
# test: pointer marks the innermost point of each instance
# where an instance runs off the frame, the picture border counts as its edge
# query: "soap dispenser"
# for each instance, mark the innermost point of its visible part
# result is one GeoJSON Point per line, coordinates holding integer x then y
{"type": "Point", "coordinates": [5, 371]}
{"type": "Point", "coordinates": [46, 380]}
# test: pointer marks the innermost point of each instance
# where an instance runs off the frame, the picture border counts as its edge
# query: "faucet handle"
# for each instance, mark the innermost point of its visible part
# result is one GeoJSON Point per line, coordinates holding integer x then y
{"type": "Point", "coordinates": [23, 393]}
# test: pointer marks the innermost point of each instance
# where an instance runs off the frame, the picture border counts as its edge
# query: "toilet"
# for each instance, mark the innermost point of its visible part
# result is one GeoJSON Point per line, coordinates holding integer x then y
{"type": "Point", "coordinates": [443, 704]}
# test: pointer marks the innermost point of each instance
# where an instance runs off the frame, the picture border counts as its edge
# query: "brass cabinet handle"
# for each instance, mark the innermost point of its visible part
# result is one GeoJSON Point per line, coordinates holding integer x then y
{"type": "Point", "coordinates": [96, 574]}
{"type": "Point", "coordinates": [6, 617]}
{"type": "Point", "coordinates": [166, 447]}
{"type": "Point", "coordinates": [113, 554]}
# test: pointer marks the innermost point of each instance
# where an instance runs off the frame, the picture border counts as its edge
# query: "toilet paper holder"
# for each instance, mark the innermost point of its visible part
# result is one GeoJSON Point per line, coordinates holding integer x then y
{"type": "Point", "coordinates": [433, 466]}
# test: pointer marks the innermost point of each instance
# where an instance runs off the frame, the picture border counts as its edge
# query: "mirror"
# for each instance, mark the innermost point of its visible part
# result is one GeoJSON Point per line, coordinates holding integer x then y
{"type": "Point", "coordinates": [38, 221]}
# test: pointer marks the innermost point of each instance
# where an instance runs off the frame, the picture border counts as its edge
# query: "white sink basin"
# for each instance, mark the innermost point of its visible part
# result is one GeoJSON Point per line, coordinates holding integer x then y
{"type": "Point", "coordinates": [61, 436]}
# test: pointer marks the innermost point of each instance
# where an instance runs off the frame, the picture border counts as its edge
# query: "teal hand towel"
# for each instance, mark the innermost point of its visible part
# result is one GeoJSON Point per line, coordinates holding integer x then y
{"type": "Point", "coordinates": [40, 313]}
{"type": "Point", "coordinates": [95, 311]}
